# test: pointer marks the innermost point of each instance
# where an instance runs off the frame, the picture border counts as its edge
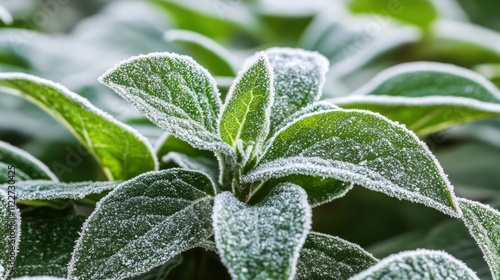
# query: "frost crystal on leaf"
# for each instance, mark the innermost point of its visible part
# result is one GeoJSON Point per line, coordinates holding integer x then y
{"type": "Point", "coordinates": [175, 93]}
{"type": "Point", "coordinates": [484, 225]}
{"type": "Point", "coordinates": [246, 114]}
{"type": "Point", "coordinates": [329, 257]}
{"type": "Point", "coordinates": [144, 223]}
{"type": "Point", "coordinates": [122, 152]}
{"type": "Point", "coordinates": [299, 76]}
{"type": "Point", "coordinates": [262, 242]}
{"type": "Point", "coordinates": [361, 147]}
{"type": "Point", "coordinates": [10, 222]}
{"type": "Point", "coordinates": [418, 265]}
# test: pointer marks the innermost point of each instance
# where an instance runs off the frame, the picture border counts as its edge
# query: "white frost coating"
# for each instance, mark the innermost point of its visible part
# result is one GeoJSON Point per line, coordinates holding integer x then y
{"type": "Point", "coordinates": [412, 67]}
{"type": "Point", "coordinates": [420, 264]}
{"type": "Point", "coordinates": [5, 16]}
{"type": "Point", "coordinates": [47, 190]}
{"type": "Point", "coordinates": [6, 218]}
{"type": "Point", "coordinates": [203, 164]}
{"type": "Point", "coordinates": [264, 241]}
{"type": "Point", "coordinates": [30, 158]}
{"type": "Point", "coordinates": [174, 35]}
{"type": "Point", "coordinates": [362, 172]}
{"type": "Point", "coordinates": [142, 224]}
{"type": "Point", "coordinates": [202, 133]}
{"type": "Point", "coordinates": [483, 223]}
{"type": "Point", "coordinates": [38, 278]}
{"type": "Point", "coordinates": [77, 98]}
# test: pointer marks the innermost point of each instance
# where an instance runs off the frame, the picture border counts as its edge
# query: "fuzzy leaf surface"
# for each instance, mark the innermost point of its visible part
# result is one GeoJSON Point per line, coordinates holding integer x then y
{"type": "Point", "coordinates": [174, 92]}
{"type": "Point", "coordinates": [27, 167]}
{"type": "Point", "coordinates": [427, 96]}
{"type": "Point", "coordinates": [299, 76]}
{"type": "Point", "coordinates": [262, 242]}
{"type": "Point", "coordinates": [144, 223]}
{"type": "Point", "coordinates": [10, 223]}
{"type": "Point", "coordinates": [247, 111]}
{"type": "Point", "coordinates": [418, 265]}
{"type": "Point", "coordinates": [483, 223]}
{"type": "Point", "coordinates": [359, 147]}
{"type": "Point", "coordinates": [327, 257]}
{"type": "Point", "coordinates": [122, 152]}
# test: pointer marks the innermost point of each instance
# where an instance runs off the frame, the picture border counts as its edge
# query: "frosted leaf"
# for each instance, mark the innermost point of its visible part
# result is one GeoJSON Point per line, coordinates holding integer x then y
{"type": "Point", "coordinates": [218, 60]}
{"type": "Point", "coordinates": [27, 167]}
{"type": "Point", "coordinates": [418, 265]}
{"type": "Point", "coordinates": [246, 113]}
{"type": "Point", "coordinates": [299, 76]}
{"type": "Point", "coordinates": [47, 240]}
{"type": "Point", "coordinates": [122, 152]}
{"type": "Point", "coordinates": [160, 272]}
{"type": "Point", "coordinates": [175, 93]}
{"type": "Point", "coordinates": [10, 231]}
{"type": "Point", "coordinates": [38, 278]}
{"type": "Point", "coordinates": [328, 257]}
{"type": "Point", "coordinates": [484, 225]}
{"type": "Point", "coordinates": [427, 96]}
{"type": "Point", "coordinates": [209, 166]}
{"type": "Point", "coordinates": [49, 190]}
{"type": "Point", "coordinates": [361, 147]}
{"type": "Point", "coordinates": [143, 224]}
{"type": "Point", "coordinates": [262, 242]}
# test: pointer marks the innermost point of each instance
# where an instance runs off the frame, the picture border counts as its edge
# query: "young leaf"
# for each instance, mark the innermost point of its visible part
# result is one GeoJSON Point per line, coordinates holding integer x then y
{"type": "Point", "coordinates": [217, 60]}
{"type": "Point", "coordinates": [26, 166]}
{"type": "Point", "coordinates": [144, 223]}
{"type": "Point", "coordinates": [262, 242]}
{"type": "Point", "coordinates": [175, 93]}
{"type": "Point", "coordinates": [47, 240]}
{"type": "Point", "coordinates": [160, 272]}
{"type": "Point", "coordinates": [121, 151]}
{"type": "Point", "coordinates": [10, 231]}
{"type": "Point", "coordinates": [48, 190]}
{"type": "Point", "coordinates": [299, 76]}
{"type": "Point", "coordinates": [427, 96]}
{"type": "Point", "coordinates": [328, 257]}
{"type": "Point", "coordinates": [208, 166]}
{"type": "Point", "coordinates": [419, 264]}
{"type": "Point", "coordinates": [359, 147]}
{"type": "Point", "coordinates": [484, 225]}
{"type": "Point", "coordinates": [245, 116]}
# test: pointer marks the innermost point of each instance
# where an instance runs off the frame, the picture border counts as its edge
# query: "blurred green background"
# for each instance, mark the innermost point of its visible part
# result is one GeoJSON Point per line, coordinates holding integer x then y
{"type": "Point", "coordinates": [73, 42]}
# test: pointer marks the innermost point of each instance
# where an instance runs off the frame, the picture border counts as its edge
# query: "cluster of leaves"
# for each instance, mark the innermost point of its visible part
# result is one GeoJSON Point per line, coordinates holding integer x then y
{"type": "Point", "coordinates": [274, 151]}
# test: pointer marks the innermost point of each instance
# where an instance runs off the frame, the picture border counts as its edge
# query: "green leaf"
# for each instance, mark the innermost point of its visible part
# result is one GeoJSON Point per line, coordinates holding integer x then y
{"type": "Point", "coordinates": [10, 231]}
{"type": "Point", "coordinates": [47, 190]}
{"type": "Point", "coordinates": [47, 240]}
{"type": "Point", "coordinates": [160, 272]}
{"type": "Point", "coordinates": [299, 76]}
{"type": "Point", "coordinates": [359, 147]}
{"type": "Point", "coordinates": [209, 166]}
{"type": "Point", "coordinates": [329, 257]}
{"type": "Point", "coordinates": [143, 224]}
{"type": "Point", "coordinates": [421, 13]}
{"type": "Point", "coordinates": [175, 93]}
{"type": "Point", "coordinates": [262, 242]}
{"type": "Point", "coordinates": [484, 225]}
{"type": "Point", "coordinates": [427, 96]}
{"type": "Point", "coordinates": [419, 264]}
{"type": "Point", "coordinates": [217, 60]}
{"type": "Point", "coordinates": [246, 113]}
{"type": "Point", "coordinates": [26, 167]}
{"type": "Point", "coordinates": [121, 151]}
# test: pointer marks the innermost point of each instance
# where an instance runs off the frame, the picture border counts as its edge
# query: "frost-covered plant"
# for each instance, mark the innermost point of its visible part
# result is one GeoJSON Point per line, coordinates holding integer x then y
{"type": "Point", "coordinates": [252, 168]}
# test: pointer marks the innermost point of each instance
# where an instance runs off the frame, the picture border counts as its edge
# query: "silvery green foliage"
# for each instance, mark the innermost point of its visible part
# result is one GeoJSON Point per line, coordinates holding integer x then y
{"type": "Point", "coordinates": [160, 272]}
{"type": "Point", "coordinates": [360, 147]}
{"type": "Point", "coordinates": [38, 278]}
{"type": "Point", "coordinates": [263, 241]}
{"type": "Point", "coordinates": [27, 167]}
{"type": "Point", "coordinates": [175, 93]}
{"type": "Point", "coordinates": [418, 265]}
{"type": "Point", "coordinates": [144, 223]}
{"type": "Point", "coordinates": [299, 76]}
{"type": "Point", "coordinates": [203, 164]}
{"type": "Point", "coordinates": [49, 190]}
{"type": "Point", "coordinates": [244, 121]}
{"type": "Point", "coordinates": [329, 257]}
{"type": "Point", "coordinates": [483, 223]}
{"type": "Point", "coordinates": [10, 223]}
